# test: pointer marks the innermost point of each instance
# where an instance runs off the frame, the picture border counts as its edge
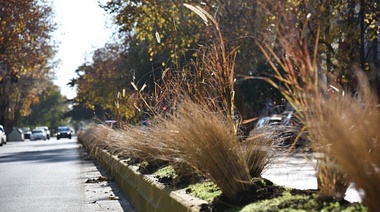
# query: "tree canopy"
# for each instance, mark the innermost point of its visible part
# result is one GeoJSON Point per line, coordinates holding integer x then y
{"type": "Point", "coordinates": [162, 34]}
{"type": "Point", "coordinates": [26, 51]}
{"type": "Point", "coordinates": [347, 31]}
{"type": "Point", "coordinates": [48, 111]}
{"type": "Point", "coordinates": [100, 82]}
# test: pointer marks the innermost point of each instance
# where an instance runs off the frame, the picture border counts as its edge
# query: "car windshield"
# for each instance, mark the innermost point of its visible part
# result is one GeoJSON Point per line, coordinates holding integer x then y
{"type": "Point", "coordinates": [63, 129]}
{"type": "Point", "coordinates": [37, 131]}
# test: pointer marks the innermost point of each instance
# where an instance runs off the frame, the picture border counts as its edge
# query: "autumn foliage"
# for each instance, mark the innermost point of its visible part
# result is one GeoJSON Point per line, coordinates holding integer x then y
{"type": "Point", "coordinates": [26, 51]}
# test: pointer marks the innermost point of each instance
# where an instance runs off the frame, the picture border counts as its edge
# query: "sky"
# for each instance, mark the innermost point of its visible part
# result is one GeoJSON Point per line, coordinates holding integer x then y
{"type": "Point", "coordinates": [82, 27]}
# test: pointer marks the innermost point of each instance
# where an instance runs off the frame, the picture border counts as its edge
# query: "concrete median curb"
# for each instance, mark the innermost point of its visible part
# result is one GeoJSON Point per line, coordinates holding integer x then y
{"type": "Point", "coordinates": [143, 192]}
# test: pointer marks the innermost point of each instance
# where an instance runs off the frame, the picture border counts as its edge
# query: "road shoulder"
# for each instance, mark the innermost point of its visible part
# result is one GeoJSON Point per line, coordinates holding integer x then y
{"type": "Point", "coordinates": [101, 191]}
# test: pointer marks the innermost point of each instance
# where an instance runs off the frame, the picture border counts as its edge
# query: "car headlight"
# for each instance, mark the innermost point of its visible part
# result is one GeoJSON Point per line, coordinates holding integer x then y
{"type": "Point", "coordinates": [59, 133]}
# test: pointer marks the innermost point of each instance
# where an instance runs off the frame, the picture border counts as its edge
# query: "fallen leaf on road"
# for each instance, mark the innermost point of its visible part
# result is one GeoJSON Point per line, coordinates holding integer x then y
{"type": "Point", "coordinates": [103, 178]}
{"type": "Point", "coordinates": [89, 180]}
{"type": "Point", "coordinates": [100, 179]}
{"type": "Point", "coordinates": [113, 198]}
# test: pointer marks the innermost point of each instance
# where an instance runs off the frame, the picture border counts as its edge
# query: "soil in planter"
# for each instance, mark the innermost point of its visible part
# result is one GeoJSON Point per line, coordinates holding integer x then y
{"type": "Point", "coordinates": [263, 190]}
{"type": "Point", "coordinates": [282, 199]}
{"type": "Point", "coordinates": [306, 200]}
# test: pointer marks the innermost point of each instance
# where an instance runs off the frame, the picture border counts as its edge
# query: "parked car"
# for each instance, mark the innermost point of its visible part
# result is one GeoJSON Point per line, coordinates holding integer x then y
{"type": "Point", "coordinates": [38, 134]}
{"type": "Point", "coordinates": [3, 136]}
{"type": "Point", "coordinates": [64, 132]}
{"type": "Point", "coordinates": [27, 132]}
{"type": "Point", "coordinates": [269, 120]}
{"type": "Point", "coordinates": [283, 128]}
{"type": "Point", "coordinates": [47, 131]}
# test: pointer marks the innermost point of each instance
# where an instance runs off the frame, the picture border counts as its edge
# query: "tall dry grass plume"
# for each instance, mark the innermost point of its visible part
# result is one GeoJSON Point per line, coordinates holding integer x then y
{"type": "Point", "coordinates": [350, 125]}
{"type": "Point", "coordinates": [194, 140]}
{"type": "Point", "coordinates": [341, 126]}
{"type": "Point", "coordinates": [258, 152]}
{"type": "Point", "coordinates": [209, 79]}
{"type": "Point", "coordinates": [89, 137]}
{"type": "Point", "coordinates": [203, 140]}
{"type": "Point", "coordinates": [98, 136]}
{"type": "Point", "coordinates": [295, 61]}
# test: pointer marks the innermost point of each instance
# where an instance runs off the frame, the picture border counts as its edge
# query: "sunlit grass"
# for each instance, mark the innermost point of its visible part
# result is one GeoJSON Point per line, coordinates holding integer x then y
{"type": "Point", "coordinates": [194, 140]}
{"type": "Point", "coordinates": [350, 126]}
{"type": "Point", "coordinates": [203, 140]}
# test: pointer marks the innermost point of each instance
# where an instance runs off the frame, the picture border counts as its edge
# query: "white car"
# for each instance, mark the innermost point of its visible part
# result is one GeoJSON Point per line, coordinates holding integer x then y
{"type": "Point", "coordinates": [38, 134]}
{"type": "Point", "coordinates": [3, 136]}
{"type": "Point", "coordinates": [47, 131]}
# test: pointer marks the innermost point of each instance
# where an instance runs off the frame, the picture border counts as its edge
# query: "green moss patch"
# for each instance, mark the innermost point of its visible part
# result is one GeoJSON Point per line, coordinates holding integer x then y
{"type": "Point", "coordinates": [206, 190]}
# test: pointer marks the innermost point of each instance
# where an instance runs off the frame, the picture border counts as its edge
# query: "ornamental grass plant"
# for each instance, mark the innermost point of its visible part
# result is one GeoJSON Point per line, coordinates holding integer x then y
{"type": "Point", "coordinates": [96, 137]}
{"type": "Point", "coordinates": [203, 140]}
{"type": "Point", "coordinates": [299, 83]}
{"type": "Point", "coordinates": [194, 140]}
{"type": "Point", "coordinates": [340, 125]}
{"type": "Point", "coordinates": [349, 125]}
{"type": "Point", "coordinates": [295, 61]}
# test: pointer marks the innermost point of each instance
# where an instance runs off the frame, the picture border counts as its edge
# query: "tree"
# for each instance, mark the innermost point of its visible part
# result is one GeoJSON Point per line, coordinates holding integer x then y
{"type": "Point", "coordinates": [25, 53]}
{"type": "Point", "coordinates": [173, 33]}
{"type": "Point", "coordinates": [79, 113]}
{"type": "Point", "coordinates": [169, 26]}
{"type": "Point", "coordinates": [346, 32]}
{"type": "Point", "coordinates": [164, 24]}
{"type": "Point", "coordinates": [48, 111]}
{"type": "Point", "coordinates": [170, 30]}
{"type": "Point", "coordinates": [100, 82]}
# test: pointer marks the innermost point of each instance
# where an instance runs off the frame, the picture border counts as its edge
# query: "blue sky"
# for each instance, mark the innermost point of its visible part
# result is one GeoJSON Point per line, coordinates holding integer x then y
{"type": "Point", "coordinates": [82, 28]}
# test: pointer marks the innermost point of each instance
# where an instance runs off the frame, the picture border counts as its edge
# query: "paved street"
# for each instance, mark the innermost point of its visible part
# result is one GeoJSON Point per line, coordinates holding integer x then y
{"type": "Point", "coordinates": [53, 175]}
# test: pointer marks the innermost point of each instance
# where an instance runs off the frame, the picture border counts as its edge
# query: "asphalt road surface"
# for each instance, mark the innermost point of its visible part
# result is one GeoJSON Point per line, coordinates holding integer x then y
{"type": "Point", "coordinates": [55, 175]}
